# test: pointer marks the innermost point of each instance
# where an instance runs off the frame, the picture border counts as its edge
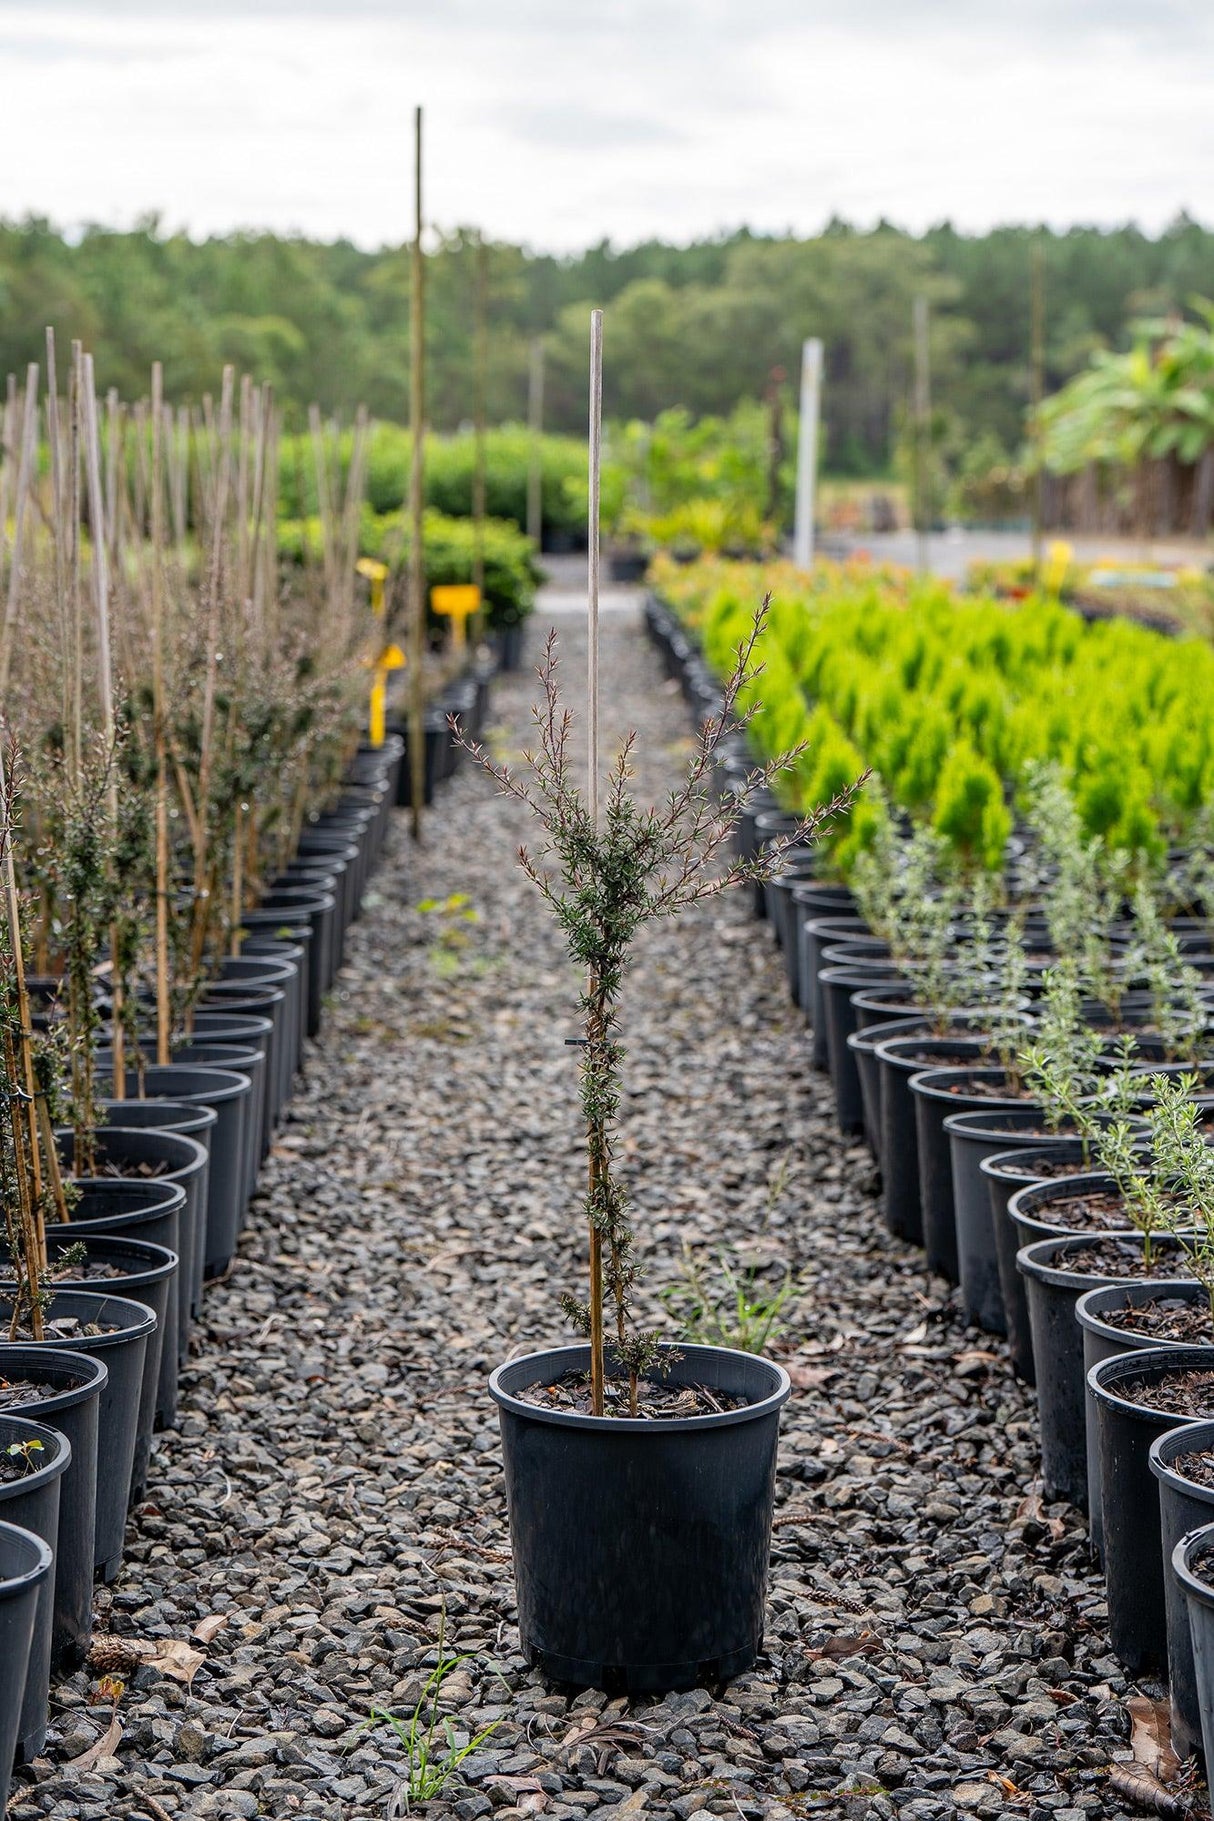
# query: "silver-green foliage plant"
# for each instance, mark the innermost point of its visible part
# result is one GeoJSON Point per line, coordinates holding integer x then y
{"type": "Point", "coordinates": [1061, 1064]}
{"type": "Point", "coordinates": [1083, 885]}
{"type": "Point", "coordinates": [603, 878]}
{"type": "Point", "coordinates": [1156, 960]}
{"type": "Point", "coordinates": [1184, 1163]}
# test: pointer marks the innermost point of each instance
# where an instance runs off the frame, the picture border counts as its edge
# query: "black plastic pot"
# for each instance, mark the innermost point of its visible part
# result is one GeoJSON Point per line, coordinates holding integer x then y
{"type": "Point", "coordinates": [319, 909]}
{"type": "Point", "coordinates": [815, 936]}
{"type": "Point", "coordinates": [185, 1121]}
{"type": "Point", "coordinates": [813, 899]}
{"type": "Point", "coordinates": [967, 1259]}
{"type": "Point", "coordinates": [237, 998]}
{"type": "Point", "coordinates": [149, 1276]}
{"type": "Point", "coordinates": [122, 1347]}
{"type": "Point", "coordinates": [973, 1135]}
{"type": "Point", "coordinates": [837, 984]}
{"type": "Point", "coordinates": [898, 1059]}
{"type": "Point", "coordinates": [1058, 1350]}
{"type": "Point", "coordinates": [250, 1063]}
{"type": "Point", "coordinates": [280, 971]}
{"type": "Point", "coordinates": [26, 1569]}
{"type": "Point", "coordinates": [291, 954]}
{"type": "Point", "coordinates": [641, 1548]}
{"type": "Point", "coordinates": [1133, 1549]}
{"type": "Point", "coordinates": [1184, 1507]}
{"type": "Point", "coordinates": [73, 1408]}
{"type": "Point", "coordinates": [1103, 1340]}
{"type": "Point", "coordinates": [1192, 1567]}
{"type": "Point", "coordinates": [1005, 1174]}
{"type": "Point", "coordinates": [32, 1502]}
{"type": "Point", "coordinates": [176, 1157]}
{"type": "Point", "coordinates": [229, 1094]}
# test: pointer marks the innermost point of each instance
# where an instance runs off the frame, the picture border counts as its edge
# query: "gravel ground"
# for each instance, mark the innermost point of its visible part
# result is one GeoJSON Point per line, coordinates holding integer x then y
{"type": "Point", "coordinates": [936, 1639]}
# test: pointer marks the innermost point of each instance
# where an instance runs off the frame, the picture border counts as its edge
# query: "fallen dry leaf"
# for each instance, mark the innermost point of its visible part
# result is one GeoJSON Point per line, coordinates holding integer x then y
{"type": "Point", "coordinates": [974, 1359]}
{"type": "Point", "coordinates": [105, 1747]}
{"type": "Point", "coordinates": [808, 1378]}
{"type": "Point", "coordinates": [1139, 1785]}
{"type": "Point", "coordinates": [1063, 1696]}
{"type": "Point", "coordinates": [207, 1628]}
{"type": "Point", "coordinates": [1005, 1783]}
{"type": "Point", "coordinates": [848, 1644]}
{"type": "Point", "coordinates": [1151, 1737]}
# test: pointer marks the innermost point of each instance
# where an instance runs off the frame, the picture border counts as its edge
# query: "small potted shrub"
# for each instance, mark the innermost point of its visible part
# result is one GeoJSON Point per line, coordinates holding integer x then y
{"type": "Point", "coordinates": [639, 1475]}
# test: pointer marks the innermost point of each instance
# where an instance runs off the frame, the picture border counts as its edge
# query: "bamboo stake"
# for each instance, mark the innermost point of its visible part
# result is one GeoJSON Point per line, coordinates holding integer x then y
{"type": "Point", "coordinates": [594, 1033]}
{"type": "Point", "coordinates": [535, 424]}
{"type": "Point", "coordinates": [481, 371]}
{"type": "Point", "coordinates": [29, 445]}
{"type": "Point", "coordinates": [77, 618]}
{"type": "Point", "coordinates": [163, 1014]}
{"type": "Point", "coordinates": [417, 416]}
{"type": "Point", "coordinates": [21, 1067]}
{"type": "Point", "coordinates": [1037, 393]}
{"type": "Point", "coordinates": [922, 432]}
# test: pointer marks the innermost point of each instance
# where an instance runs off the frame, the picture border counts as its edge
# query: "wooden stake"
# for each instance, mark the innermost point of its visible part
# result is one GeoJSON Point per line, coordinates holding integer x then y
{"type": "Point", "coordinates": [29, 447]}
{"type": "Point", "coordinates": [535, 424]}
{"type": "Point", "coordinates": [417, 566]}
{"type": "Point", "coordinates": [922, 433]}
{"type": "Point", "coordinates": [163, 1012]}
{"type": "Point", "coordinates": [1037, 393]}
{"type": "Point", "coordinates": [20, 1064]}
{"type": "Point", "coordinates": [481, 366]}
{"type": "Point", "coordinates": [594, 1032]}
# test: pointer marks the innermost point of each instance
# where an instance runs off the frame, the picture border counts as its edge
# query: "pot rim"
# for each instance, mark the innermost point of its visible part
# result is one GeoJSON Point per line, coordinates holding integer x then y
{"type": "Point", "coordinates": [13, 1584]}
{"type": "Point", "coordinates": [1091, 1321]}
{"type": "Point", "coordinates": [888, 1051]}
{"type": "Point", "coordinates": [1199, 1433]}
{"type": "Point", "coordinates": [206, 1116]}
{"type": "Point", "coordinates": [1140, 1360]}
{"type": "Point", "coordinates": [579, 1354]}
{"type": "Point", "coordinates": [929, 1084]}
{"type": "Point", "coordinates": [94, 1374]}
{"type": "Point", "coordinates": [189, 1166]}
{"type": "Point", "coordinates": [143, 1321]}
{"type": "Point", "coordinates": [41, 1476]}
{"type": "Point", "coordinates": [230, 1084]}
{"type": "Point", "coordinates": [1194, 1586]}
{"type": "Point", "coordinates": [1044, 1273]}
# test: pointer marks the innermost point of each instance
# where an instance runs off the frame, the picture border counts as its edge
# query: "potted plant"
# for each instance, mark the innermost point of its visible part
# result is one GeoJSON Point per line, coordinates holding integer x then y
{"type": "Point", "coordinates": [639, 1475]}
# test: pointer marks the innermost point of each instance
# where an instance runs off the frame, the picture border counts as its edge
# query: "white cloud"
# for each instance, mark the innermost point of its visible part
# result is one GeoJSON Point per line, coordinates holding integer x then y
{"type": "Point", "coordinates": [560, 123]}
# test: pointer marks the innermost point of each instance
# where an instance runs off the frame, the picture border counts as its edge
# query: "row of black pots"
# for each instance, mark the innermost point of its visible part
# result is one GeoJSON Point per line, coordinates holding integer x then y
{"type": "Point", "coordinates": [179, 1157]}
{"type": "Point", "coordinates": [466, 701]}
{"type": "Point", "coordinates": [972, 1179]}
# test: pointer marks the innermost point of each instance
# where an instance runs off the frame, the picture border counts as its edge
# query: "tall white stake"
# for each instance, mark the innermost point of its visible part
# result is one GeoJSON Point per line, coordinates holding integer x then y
{"type": "Point", "coordinates": [596, 457]}
{"type": "Point", "coordinates": [807, 452]}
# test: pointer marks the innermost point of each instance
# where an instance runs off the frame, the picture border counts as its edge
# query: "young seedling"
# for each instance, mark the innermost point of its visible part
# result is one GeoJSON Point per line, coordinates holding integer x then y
{"type": "Point", "coordinates": [737, 1311]}
{"type": "Point", "coordinates": [1185, 1162]}
{"type": "Point", "coordinates": [432, 1755]}
{"type": "Point", "coordinates": [1177, 1011]}
{"type": "Point", "coordinates": [603, 877]}
{"type": "Point", "coordinates": [26, 1453]}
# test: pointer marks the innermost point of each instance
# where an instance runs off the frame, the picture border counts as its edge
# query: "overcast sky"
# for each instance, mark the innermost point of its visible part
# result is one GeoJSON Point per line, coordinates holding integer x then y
{"type": "Point", "coordinates": [560, 122]}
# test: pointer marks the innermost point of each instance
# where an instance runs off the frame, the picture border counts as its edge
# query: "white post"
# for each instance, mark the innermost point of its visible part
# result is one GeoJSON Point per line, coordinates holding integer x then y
{"type": "Point", "coordinates": [807, 452]}
{"type": "Point", "coordinates": [592, 665]}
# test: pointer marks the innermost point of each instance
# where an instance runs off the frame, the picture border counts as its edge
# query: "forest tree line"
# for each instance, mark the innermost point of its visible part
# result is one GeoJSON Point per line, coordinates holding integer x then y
{"type": "Point", "coordinates": [703, 326]}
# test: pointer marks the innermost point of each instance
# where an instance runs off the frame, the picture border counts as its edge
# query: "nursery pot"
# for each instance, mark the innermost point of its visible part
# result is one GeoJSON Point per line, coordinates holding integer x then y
{"type": "Point", "coordinates": [1104, 1339]}
{"type": "Point", "coordinates": [815, 935]}
{"type": "Point", "coordinates": [973, 1135]}
{"type": "Point", "coordinates": [185, 1121]}
{"type": "Point", "coordinates": [75, 1383]}
{"type": "Point", "coordinates": [1193, 1568]}
{"type": "Point", "coordinates": [898, 1059]}
{"type": "Point", "coordinates": [641, 1547]}
{"type": "Point", "coordinates": [26, 1570]}
{"type": "Point", "coordinates": [1184, 1506]}
{"type": "Point", "coordinates": [149, 1274]}
{"type": "Point", "coordinates": [228, 1094]}
{"type": "Point", "coordinates": [969, 1258]}
{"type": "Point", "coordinates": [837, 985]}
{"type": "Point", "coordinates": [175, 1157]}
{"type": "Point", "coordinates": [1133, 1548]}
{"type": "Point", "coordinates": [126, 1328]}
{"type": "Point", "coordinates": [250, 1063]}
{"type": "Point", "coordinates": [1005, 1174]}
{"type": "Point", "coordinates": [1058, 1348]}
{"type": "Point", "coordinates": [811, 899]}
{"type": "Point", "coordinates": [33, 1503]}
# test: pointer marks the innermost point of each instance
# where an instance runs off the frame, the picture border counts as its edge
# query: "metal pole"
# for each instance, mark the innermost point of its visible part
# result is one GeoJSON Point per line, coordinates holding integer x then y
{"type": "Point", "coordinates": [535, 423]}
{"type": "Point", "coordinates": [807, 452]}
{"type": "Point", "coordinates": [417, 571]}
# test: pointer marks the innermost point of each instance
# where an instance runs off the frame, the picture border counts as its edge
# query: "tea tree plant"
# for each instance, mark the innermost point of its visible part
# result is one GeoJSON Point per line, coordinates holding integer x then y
{"type": "Point", "coordinates": [1186, 1163]}
{"type": "Point", "coordinates": [1177, 1010]}
{"type": "Point", "coordinates": [603, 880]}
{"type": "Point", "coordinates": [1061, 1065]}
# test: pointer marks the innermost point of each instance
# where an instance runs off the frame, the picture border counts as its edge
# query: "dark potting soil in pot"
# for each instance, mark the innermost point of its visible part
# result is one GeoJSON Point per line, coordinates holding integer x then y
{"type": "Point", "coordinates": [977, 1089]}
{"type": "Point", "coordinates": [1189, 1394]}
{"type": "Point", "coordinates": [84, 1270]}
{"type": "Point", "coordinates": [941, 1059]}
{"type": "Point", "coordinates": [1087, 1213]}
{"type": "Point", "coordinates": [1053, 1169]}
{"type": "Point", "coordinates": [1167, 1318]}
{"type": "Point", "coordinates": [655, 1400]}
{"type": "Point", "coordinates": [1197, 1466]}
{"type": "Point", "coordinates": [17, 1467]}
{"type": "Point", "coordinates": [14, 1392]}
{"type": "Point", "coordinates": [131, 1171]}
{"type": "Point", "coordinates": [1104, 1257]}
